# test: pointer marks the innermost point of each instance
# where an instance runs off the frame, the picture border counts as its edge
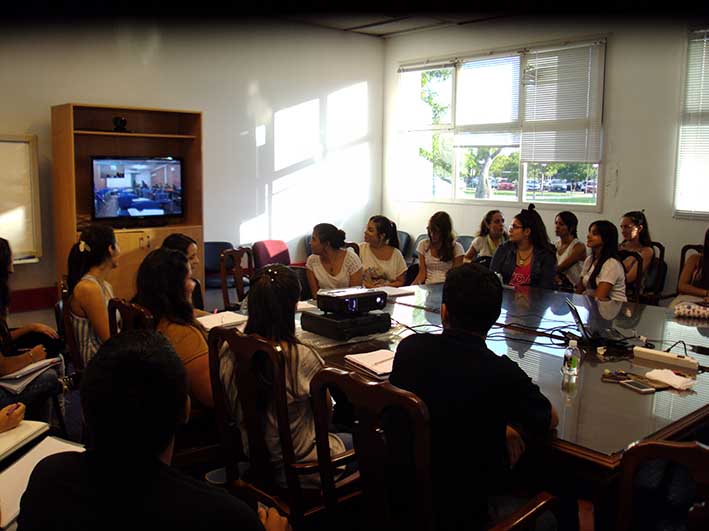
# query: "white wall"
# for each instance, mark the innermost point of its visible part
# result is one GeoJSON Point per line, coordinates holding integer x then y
{"type": "Point", "coordinates": [644, 65]}
{"type": "Point", "coordinates": [238, 75]}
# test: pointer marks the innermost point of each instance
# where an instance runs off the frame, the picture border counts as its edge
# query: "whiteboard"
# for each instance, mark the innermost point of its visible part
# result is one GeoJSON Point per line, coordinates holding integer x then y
{"type": "Point", "coordinates": [20, 221]}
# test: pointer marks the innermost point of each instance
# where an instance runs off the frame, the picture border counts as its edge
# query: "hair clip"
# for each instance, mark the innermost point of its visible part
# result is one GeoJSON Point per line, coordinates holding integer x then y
{"type": "Point", "coordinates": [271, 274]}
{"type": "Point", "coordinates": [84, 247]}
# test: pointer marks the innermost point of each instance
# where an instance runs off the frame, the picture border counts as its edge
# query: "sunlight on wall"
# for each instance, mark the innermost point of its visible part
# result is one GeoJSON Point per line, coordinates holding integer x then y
{"type": "Point", "coordinates": [347, 115]}
{"type": "Point", "coordinates": [296, 134]}
{"type": "Point", "coordinates": [256, 228]}
{"type": "Point", "coordinates": [260, 134]}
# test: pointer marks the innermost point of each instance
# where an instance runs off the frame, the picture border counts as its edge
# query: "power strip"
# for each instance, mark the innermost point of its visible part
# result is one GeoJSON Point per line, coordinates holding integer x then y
{"type": "Point", "coordinates": [666, 358]}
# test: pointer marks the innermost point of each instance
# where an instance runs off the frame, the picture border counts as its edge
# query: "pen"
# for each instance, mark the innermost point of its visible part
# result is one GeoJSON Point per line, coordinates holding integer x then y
{"type": "Point", "coordinates": [13, 409]}
{"type": "Point", "coordinates": [383, 361]}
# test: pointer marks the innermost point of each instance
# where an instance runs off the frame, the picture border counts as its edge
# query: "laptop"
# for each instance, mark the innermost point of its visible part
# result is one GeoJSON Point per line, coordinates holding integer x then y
{"type": "Point", "coordinates": [595, 338]}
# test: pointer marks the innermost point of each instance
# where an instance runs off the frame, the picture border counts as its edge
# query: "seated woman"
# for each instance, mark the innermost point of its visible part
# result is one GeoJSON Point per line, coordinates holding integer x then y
{"type": "Point", "coordinates": [28, 336]}
{"type": "Point", "coordinates": [182, 242]}
{"type": "Point", "coordinates": [165, 285]}
{"type": "Point", "coordinates": [636, 237]}
{"type": "Point", "coordinates": [91, 260]}
{"type": "Point", "coordinates": [528, 258]}
{"type": "Point", "coordinates": [492, 233]}
{"type": "Point", "coordinates": [602, 275]}
{"type": "Point", "coordinates": [382, 261]}
{"type": "Point", "coordinates": [440, 252]}
{"type": "Point", "coordinates": [694, 278]}
{"type": "Point", "coordinates": [330, 266]}
{"type": "Point", "coordinates": [274, 295]}
{"type": "Point", "coordinates": [570, 252]}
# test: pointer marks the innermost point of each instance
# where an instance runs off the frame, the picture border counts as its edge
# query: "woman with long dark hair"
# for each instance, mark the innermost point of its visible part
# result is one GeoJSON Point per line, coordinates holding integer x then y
{"type": "Point", "coordinates": [694, 279]}
{"type": "Point", "coordinates": [185, 244]}
{"type": "Point", "coordinates": [636, 237]}
{"type": "Point", "coordinates": [440, 252]}
{"type": "Point", "coordinates": [602, 275]}
{"type": "Point", "coordinates": [528, 258]}
{"type": "Point", "coordinates": [491, 235]}
{"type": "Point", "coordinates": [273, 298]}
{"type": "Point", "coordinates": [330, 266]}
{"type": "Point", "coordinates": [91, 259]}
{"type": "Point", "coordinates": [382, 261]}
{"type": "Point", "coordinates": [164, 287]}
{"type": "Point", "coordinates": [570, 252]}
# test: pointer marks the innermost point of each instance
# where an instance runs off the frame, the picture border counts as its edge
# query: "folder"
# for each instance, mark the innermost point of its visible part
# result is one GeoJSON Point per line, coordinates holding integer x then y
{"type": "Point", "coordinates": [377, 364]}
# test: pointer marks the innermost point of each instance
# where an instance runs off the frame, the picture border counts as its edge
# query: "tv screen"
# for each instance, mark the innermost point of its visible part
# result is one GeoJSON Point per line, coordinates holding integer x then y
{"type": "Point", "coordinates": [132, 187]}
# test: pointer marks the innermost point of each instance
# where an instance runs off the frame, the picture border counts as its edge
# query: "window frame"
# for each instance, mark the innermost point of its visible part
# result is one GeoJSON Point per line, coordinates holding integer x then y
{"type": "Point", "coordinates": [454, 129]}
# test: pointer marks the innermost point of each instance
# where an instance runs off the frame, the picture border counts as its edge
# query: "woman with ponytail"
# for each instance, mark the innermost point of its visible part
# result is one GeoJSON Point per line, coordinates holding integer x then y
{"type": "Point", "coordinates": [528, 258]}
{"type": "Point", "coordinates": [330, 266]}
{"type": "Point", "coordinates": [636, 237]}
{"type": "Point", "coordinates": [91, 260]}
{"type": "Point", "coordinates": [273, 298]}
{"type": "Point", "coordinates": [602, 275]}
{"type": "Point", "coordinates": [440, 252]}
{"type": "Point", "coordinates": [382, 261]}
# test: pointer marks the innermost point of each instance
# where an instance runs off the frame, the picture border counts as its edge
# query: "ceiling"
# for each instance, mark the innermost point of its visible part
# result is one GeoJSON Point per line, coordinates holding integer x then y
{"type": "Point", "coordinates": [390, 25]}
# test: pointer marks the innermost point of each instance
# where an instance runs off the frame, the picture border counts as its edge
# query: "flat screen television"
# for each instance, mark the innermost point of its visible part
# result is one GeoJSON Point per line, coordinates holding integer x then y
{"type": "Point", "coordinates": [137, 188]}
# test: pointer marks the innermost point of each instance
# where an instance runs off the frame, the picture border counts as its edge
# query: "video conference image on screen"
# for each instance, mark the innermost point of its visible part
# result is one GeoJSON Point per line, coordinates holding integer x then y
{"type": "Point", "coordinates": [137, 188]}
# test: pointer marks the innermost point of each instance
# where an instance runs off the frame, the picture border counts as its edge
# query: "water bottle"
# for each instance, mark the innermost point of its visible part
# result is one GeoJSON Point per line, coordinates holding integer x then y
{"type": "Point", "coordinates": [572, 359]}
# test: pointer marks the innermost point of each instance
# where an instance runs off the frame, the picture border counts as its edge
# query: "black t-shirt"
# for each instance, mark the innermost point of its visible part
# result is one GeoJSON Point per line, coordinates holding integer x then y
{"type": "Point", "coordinates": [86, 491]}
{"type": "Point", "coordinates": [471, 394]}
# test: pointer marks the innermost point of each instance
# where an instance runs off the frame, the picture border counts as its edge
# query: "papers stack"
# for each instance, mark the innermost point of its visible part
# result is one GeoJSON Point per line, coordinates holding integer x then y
{"type": "Point", "coordinates": [377, 364]}
{"type": "Point", "coordinates": [225, 319]}
{"type": "Point", "coordinates": [26, 431]}
{"type": "Point", "coordinates": [16, 382]}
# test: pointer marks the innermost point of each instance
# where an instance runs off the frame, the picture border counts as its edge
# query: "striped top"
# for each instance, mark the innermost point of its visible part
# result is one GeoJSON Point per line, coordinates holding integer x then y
{"type": "Point", "coordinates": [86, 338]}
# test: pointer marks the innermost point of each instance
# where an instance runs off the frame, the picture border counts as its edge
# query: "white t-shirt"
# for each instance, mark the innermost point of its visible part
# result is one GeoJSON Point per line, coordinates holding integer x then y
{"type": "Point", "coordinates": [350, 266]}
{"type": "Point", "coordinates": [381, 271]}
{"type": "Point", "coordinates": [436, 269]}
{"type": "Point", "coordinates": [611, 272]}
{"type": "Point", "coordinates": [573, 273]}
{"type": "Point", "coordinates": [483, 245]}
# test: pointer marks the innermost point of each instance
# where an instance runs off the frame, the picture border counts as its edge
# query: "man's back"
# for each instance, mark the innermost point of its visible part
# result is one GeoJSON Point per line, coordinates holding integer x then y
{"type": "Point", "coordinates": [89, 491]}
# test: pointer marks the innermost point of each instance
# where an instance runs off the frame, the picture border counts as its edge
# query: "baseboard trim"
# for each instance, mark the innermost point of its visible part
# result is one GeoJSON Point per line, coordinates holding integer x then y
{"type": "Point", "coordinates": [28, 300]}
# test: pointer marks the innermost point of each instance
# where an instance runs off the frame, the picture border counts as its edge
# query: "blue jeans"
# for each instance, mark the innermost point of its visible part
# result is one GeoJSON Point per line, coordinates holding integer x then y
{"type": "Point", "coordinates": [35, 396]}
{"type": "Point", "coordinates": [348, 441]}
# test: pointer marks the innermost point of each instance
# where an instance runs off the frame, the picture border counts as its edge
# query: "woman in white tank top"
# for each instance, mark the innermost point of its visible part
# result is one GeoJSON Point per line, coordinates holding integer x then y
{"type": "Point", "coordinates": [91, 259]}
{"type": "Point", "coordinates": [570, 252]}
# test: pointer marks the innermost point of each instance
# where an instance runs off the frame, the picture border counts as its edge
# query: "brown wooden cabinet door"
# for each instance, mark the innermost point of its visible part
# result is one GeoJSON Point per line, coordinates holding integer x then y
{"type": "Point", "coordinates": [134, 247]}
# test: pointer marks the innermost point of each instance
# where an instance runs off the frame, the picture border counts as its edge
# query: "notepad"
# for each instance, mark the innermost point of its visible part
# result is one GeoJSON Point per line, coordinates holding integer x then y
{"type": "Point", "coordinates": [14, 480]}
{"type": "Point", "coordinates": [225, 319]}
{"type": "Point", "coordinates": [17, 381]}
{"type": "Point", "coordinates": [24, 432]}
{"type": "Point", "coordinates": [377, 364]}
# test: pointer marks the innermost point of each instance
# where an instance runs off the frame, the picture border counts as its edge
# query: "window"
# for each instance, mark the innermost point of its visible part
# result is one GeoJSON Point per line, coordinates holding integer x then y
{"type": "Point", "coordinates": [522, 126]}
{"type": "Point", "coordinates": [692, 176]}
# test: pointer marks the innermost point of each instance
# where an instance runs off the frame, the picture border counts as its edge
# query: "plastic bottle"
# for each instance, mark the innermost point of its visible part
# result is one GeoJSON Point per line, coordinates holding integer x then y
{"type": "Point", "coordinates": [572, 359]}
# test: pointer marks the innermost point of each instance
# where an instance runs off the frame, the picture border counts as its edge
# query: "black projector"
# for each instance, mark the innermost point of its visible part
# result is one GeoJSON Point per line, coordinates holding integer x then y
{"type": "Point", "coordinates": [338, 326]}
{"type": "Point", "coordinates": [348, 302]}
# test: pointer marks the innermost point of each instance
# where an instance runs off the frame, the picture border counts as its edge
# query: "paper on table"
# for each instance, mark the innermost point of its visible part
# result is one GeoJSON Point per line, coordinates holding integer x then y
{"type": "Point", "coordinates": [305, 306]}
{"type": "Point", "coordinates": [226, 319]}
{"type": "Point", "coordinates": [670, 378]}
{"type": "Point", "coordinates": [13, 481]}
{"type": "Point", "coordinates": [378, 362]}
{"type": "Point", "coordinates": [26, 431]}
{"type": "Point", "coordinates": [396, 292]}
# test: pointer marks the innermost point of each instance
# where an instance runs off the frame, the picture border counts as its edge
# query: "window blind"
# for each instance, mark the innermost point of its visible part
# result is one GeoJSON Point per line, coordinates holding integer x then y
{"type": "Point", "coordinates": [692, 179]}
{"type": "Point", "coordinates": [562, 99]}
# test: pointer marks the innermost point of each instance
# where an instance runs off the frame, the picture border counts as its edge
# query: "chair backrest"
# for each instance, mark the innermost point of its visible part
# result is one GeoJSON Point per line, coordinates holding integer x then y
{"type": "Point", "coordinates": [683, 257]}
{"type": "Point", "coordinates": [270, 252]}
{"type": "Point", "coordinates": [308, 249]}
{"type": "Point", "coordinates": [404, 242]}
{"type": "Point", "coordinates": [634, 288]}
{"type": "Point", "coordinates": [132, 316]}
{"type": "Point", "coordinates": [212, 252]}
{"type": "Point", "coordinates": [353, 246]}
{"type": "Point", "coordinates": [692, 455]}
{"type": "Point", "coordinates": [69, 337]}
{"type": "Point", "coordinates": [392, 444]}
{"type": "Point", "coordinates": [465, 241]}
{"type": "Point", "coordinates": [230, 263]}
{"type": "Point", "coordinates": [656, 274]}
{"type": "Point", "coordinates": [419, 238]}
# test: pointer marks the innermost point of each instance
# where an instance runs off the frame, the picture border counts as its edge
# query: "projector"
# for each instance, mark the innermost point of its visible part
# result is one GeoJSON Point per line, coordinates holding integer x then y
{"type": "Point", "coordinates": [351, 301]}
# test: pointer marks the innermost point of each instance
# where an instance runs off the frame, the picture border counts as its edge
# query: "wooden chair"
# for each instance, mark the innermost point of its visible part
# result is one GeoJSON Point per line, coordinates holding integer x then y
{"type": "Point", "coordinates": [132, 316]}
{"type": "Point", "coordinates": [693, 455]}
{"type": "Point", "coordinates": [633, 289]}
{"type": "Point", "coordinates": [524, 518]}
{"type": "Point", "coordinates": [353, 246]}
{"type": "Point", "coordinates": [230, 263]}
{"type": "Point", "coordinates": [655, 276]}
{"type": "Point", "coordinates": [259, 369]}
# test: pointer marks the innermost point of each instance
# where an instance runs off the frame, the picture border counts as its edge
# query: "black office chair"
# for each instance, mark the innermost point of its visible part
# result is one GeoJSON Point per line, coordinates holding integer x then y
{"type": "Point", "coordinates": [465, 241]}
{"type": "Point", "coordinates": [655, 276]}
{"type": "Point", "coordinates": [212, 264]}
{"type": "Point", "coordinates": [404, 242]}
{"type": "Point", "coordinates": [414, 253]}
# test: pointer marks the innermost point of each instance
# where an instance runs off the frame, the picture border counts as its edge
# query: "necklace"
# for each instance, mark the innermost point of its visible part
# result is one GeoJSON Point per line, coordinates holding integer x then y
{"type": "Point", "coordinates": [522, 260]}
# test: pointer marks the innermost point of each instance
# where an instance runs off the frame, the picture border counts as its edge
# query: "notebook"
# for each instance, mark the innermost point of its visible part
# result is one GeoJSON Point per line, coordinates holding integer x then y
{"type": "Point", "coordinates": [377, 364]}
{"type": "Point", "coordinates": [13, 481]}
{"type": "Point", "coordinates": [225, 319]}
{"type": "Point", "coordinates": [17, 381]}
{"type": "Point", "coordinates": [26, 431]}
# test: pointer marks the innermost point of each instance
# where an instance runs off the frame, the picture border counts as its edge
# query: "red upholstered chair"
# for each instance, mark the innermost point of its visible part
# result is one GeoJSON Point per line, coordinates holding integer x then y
{"type": "Point", "coordinates": [270, 252]}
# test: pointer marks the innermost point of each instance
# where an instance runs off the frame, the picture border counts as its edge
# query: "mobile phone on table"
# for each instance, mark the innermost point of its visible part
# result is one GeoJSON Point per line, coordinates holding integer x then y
{"type": "Point", "coordinates": [638, 387]}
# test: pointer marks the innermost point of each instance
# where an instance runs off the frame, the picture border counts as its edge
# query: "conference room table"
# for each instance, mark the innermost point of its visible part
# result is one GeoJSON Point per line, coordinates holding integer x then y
{"type": "Point", "coordinates": [597, 420]}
